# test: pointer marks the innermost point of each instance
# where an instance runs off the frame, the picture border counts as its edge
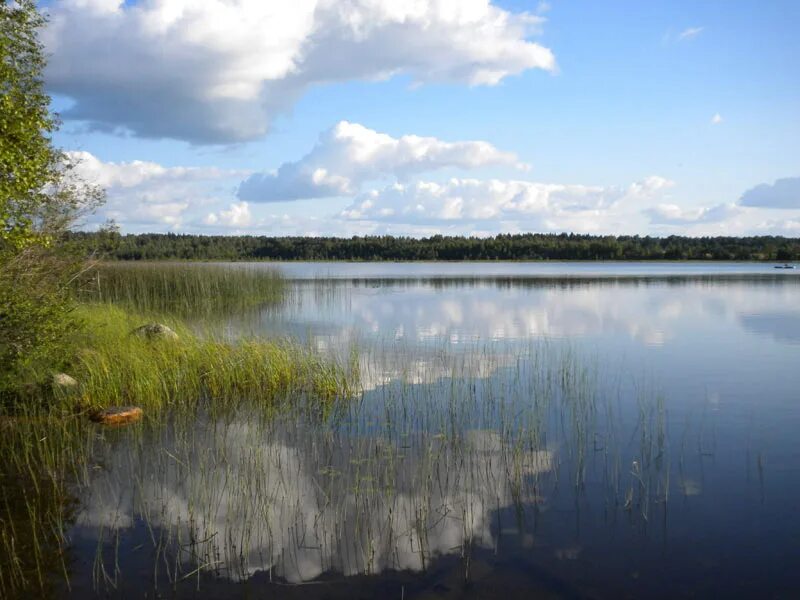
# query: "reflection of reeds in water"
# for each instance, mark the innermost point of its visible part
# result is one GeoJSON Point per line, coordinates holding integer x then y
{"type": "Point", "coordinates": [43, 459]}
{"type": "Point", "coordinates": [418, 468]}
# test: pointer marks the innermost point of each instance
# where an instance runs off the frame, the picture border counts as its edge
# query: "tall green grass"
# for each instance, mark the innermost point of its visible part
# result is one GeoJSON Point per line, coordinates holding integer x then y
{"type": "Point", "coordinates": [187, 290]}
{"type": "Point", "coordinates": [114, 366]}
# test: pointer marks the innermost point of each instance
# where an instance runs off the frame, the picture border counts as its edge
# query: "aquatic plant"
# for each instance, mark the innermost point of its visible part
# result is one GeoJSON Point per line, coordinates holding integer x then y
{"type": "Point", "coordinates": [186, 290]}
{"type": "Point", "coordinates": [114, 366]}
{"type": "Point", "coordinates": [441, 451]}
{"type": "Point", "coordinates": [44, 458]}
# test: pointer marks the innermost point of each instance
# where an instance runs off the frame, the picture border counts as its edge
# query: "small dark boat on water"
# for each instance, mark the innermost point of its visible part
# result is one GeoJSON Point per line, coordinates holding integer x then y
{"type": "Point", "coordinates": [786, 266]}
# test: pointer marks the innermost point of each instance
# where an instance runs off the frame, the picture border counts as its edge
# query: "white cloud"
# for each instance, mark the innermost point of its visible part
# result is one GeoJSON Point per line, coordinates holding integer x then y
{"type": "Point", "coordinates": [237, 215]}
{"type": "Point", "coordinates": [218, 71]}
{"type": "Point", "coordinates": [137, 172]}
{"type": "Point", "coordinates": [546, 205]}
{"type": "Point", "coordinates": [349, 154]}
{"type": "Point", "coordinates": [149, 195]}
{"type": "Point", "coordinates": [672, 214]}
{"type": "Point", "coordinates": [784, 193]}
{"type": "Point", "coordinates": [716, 119]}
{"type": "Point", "coordinates": [690, 33]}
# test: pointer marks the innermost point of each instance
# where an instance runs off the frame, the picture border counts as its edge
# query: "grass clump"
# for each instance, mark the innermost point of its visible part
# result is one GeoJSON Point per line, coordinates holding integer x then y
{"type": "Point", "coordinates": [186, 290]}
{"type": "Point", "coordinates": [115, 366]}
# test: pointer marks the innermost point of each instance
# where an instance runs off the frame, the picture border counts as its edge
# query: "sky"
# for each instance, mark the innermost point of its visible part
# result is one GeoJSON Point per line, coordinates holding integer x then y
{"type": "Point", "coordinates": [422, 117]}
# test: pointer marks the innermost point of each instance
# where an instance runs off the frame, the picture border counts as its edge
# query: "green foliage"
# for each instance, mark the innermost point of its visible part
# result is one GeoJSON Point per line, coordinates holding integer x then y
{"type": "Point", "coordinates": [528, 246]}
{"type": "Point", "coordinates": [28, 161]}
{"type": "Point", "coordinates": [40, 197]}
{"type": "Point", "coordinates": [36, 318]}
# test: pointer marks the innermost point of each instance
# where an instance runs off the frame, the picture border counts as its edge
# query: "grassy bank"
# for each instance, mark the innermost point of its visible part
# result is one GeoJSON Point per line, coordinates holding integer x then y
{"type": "Point", "coordinates": [196, 290]}
{"type": "Point", "coordinates": [115, 366]}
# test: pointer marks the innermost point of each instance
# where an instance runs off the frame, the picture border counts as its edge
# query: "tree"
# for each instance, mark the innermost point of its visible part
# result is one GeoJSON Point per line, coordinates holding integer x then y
{"type": "Point", "coordinates": [40, 198]}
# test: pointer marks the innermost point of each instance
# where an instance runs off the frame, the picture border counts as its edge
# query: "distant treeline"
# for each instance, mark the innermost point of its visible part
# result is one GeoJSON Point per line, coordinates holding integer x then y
{"type": "Point", "coordinates": [532, 246]}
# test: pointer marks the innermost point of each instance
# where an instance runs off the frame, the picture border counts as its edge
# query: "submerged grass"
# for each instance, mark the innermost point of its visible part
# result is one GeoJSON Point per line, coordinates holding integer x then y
{"type": "Point", "coordinates": [48, 448]}
{"type": "Point", "coordinates": [186, 290]}
{"type": "Point", "coordinates": [115, 366]}
{"type": "Point", "coordinates": [43, 457]}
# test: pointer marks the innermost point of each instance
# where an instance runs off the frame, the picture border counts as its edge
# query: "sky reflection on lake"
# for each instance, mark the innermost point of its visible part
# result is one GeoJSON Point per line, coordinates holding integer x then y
{"type": "Point", "coordinates": [601, 432]}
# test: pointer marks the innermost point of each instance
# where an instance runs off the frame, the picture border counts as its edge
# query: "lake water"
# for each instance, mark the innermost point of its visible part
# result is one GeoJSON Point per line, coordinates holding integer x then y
{"type": "Point", "coordinates": [562, 430]}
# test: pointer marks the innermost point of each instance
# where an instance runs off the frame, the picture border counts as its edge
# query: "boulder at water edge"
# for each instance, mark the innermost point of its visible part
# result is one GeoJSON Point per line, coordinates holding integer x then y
{"type": "Point", "coordinates": [155, 331]}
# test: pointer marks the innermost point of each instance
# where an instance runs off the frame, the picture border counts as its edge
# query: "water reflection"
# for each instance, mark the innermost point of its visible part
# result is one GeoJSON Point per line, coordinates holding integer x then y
{"type": "Point", "coordinates": [246, 498]}
{"type": "Point", "coordinates": [607, 433]}
{"type": "Point", "coordinates": [337, 312]}
{"type": "Point", "coordinates": [782, 326]}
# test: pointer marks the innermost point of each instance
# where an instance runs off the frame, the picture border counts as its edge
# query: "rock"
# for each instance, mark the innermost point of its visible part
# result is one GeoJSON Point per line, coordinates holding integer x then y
{"type": "Point", "coordinates": [117, 415]}
{"type": "Point", "coordinates": [64, 381]}
{"type": "Point", "coordinates": [155, 331]}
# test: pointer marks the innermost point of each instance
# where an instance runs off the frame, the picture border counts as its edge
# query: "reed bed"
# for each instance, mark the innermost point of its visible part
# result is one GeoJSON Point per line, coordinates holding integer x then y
{"type": "Point", "coordinates": [448, 450]}
{"type": "Point", "coordinates": [44, 457]}
{"type": "Point", "coordinates": [439, 452]}
{"type": "Point", "coordinates": [185, 290]}
{"type": "Point", "coordinates": [115, 366]}
{"type": "Point", "coordinates": [50, 450]}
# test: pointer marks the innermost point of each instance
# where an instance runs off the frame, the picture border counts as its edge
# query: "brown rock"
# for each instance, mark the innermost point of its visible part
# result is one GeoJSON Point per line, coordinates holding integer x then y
{"type": "Point", "coordinates": [117, 415]}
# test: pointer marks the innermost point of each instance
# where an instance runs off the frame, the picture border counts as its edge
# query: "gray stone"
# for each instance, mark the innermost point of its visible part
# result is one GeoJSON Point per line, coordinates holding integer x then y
{"type": "Point", "coordinates": [64, 381]}
{"type": "Point", "coordinates": [155, 331]}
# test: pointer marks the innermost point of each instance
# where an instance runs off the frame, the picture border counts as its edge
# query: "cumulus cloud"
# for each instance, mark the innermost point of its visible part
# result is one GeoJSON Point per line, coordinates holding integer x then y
{"type": "Point", "coordinates": [218, 71]}
{"type": "Point", "coordinates": [493, 200]}
{"type": "Point", "coordinates": [237, 215]}
{"type": "Point", "coordinates": [349, 154]}
{"type": "Point", "coordinates": [672, 214]}
{"type": "Point", "coordinates": [147, 194]}
{"type": "Point", "coordinates": [784, 193]}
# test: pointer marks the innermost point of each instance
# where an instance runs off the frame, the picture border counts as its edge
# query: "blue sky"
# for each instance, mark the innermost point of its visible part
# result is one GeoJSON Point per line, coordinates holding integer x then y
{"type": "Point", "coordinates": [466, 117]}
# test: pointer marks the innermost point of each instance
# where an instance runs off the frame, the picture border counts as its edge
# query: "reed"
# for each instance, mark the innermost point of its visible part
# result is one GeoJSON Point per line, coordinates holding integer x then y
{"type": "Point", "coordinates": [187, 290]}
{"type": "Point", "coordinates": [425, 465]}
{"type": "Point", "coordinates": [114, 366]}
{"type": "Point", "coordinates": [44, 458]}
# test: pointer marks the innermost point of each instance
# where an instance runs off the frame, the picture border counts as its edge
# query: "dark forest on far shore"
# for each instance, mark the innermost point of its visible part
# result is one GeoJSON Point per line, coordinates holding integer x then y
{"type": "Point", "coordinates": [531, 246]}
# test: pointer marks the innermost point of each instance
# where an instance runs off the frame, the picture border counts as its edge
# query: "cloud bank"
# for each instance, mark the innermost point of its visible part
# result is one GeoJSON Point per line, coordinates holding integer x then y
{"type": "Point", "coordinates": [350, 154]}
{"type": "Point", "coordinates": [147, 194]}
{"type": "Point", "coordinates": [219, 71]}
{"type": "Point", "coordinates": [492, 200]}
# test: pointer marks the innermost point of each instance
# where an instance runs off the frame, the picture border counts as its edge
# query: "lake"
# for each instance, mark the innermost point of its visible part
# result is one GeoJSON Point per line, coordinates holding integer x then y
{"type": "Point", "coordinates": [563, 430]}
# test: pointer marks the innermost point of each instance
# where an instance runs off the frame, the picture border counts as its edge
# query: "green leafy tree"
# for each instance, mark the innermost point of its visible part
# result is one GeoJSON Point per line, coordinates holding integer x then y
{"type": "Point", "coordinates": [40, 198]}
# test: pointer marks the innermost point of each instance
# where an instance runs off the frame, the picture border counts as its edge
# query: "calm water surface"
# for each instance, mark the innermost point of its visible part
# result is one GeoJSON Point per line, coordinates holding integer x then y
{"type": "Point", "coordinates": [558, 430]}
